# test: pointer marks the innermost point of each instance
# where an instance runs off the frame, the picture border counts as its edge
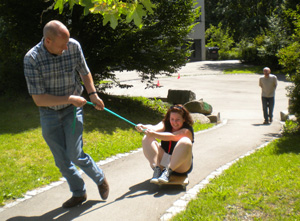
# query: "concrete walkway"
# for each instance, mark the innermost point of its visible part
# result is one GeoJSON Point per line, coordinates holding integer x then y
{"type": "Point", "coordinates": [132, 197]}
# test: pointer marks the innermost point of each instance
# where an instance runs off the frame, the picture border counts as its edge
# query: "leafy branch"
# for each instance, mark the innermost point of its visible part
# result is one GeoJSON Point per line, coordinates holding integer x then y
{"type": "Point", "coordinates": [112, 10]}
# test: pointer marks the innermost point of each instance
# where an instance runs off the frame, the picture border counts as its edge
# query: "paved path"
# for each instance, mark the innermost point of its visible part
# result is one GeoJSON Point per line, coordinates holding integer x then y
{"type": "Point", "coordinates": [132, 197]}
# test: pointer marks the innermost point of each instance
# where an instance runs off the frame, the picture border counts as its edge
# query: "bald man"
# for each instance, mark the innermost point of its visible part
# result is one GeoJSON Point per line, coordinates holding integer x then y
{"type": "Point", "coordinates": [53, 69]}
{"type": "Point", "coordinates": [268, 84]}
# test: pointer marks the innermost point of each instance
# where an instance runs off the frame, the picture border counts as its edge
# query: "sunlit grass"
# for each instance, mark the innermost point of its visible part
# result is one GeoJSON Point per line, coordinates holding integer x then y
{"type": "Point", "coordinates": [245, 70]}
{"type": "Point", "coordinates": [251, 69]}
{"type": "Point", "coordinates": [198, 126]}
{"type": "Point", "coordinates": [262, 186]}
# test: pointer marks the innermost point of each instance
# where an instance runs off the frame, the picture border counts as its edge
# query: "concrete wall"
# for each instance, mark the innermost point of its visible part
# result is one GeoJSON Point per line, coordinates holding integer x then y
{"type": "Point", "coordinates": [198, 34]}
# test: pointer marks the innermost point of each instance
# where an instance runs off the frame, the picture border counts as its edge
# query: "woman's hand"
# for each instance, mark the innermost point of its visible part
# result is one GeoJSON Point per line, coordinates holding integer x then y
{"type": "Point", "coordinates": [149, 132]}
{"type": "Point", "coordinates": [141, 128]}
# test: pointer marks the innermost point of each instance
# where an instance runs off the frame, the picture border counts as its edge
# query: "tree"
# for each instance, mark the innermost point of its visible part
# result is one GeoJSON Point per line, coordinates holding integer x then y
{"type": "Point", "coordinates": [216, 36]}
{"type": "Point", "coordinates": [20, 29]}
{"type": "Point", "coordinates": [112, 10]}
{"type": "Point", "coordinates": [243, 18]}
{"type": "Point", "coordinates": [259, 28]}
{"type": "Point", "coordinates": [289, 57]}
{"type": "Point", "coordinates": [160, 46]}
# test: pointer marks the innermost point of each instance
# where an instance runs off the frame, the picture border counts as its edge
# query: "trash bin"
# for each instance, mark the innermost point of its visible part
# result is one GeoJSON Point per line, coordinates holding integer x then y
{"type": "Point", "coordinates": [212, 53]}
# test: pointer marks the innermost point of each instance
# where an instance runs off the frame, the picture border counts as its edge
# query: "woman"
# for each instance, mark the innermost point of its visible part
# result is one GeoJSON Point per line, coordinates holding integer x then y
{"type": "Point", "coordinates": [174, 154]}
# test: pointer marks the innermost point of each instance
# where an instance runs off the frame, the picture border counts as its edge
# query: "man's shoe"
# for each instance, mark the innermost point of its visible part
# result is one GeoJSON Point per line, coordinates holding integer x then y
{"type": "Point", "coordinates": [104, 189]}
{"type": "Point", "coordinates": [165, 176]}
{"type": "Point", "coordinates": [271, 120]}
{"type": "Point", "coordinates": [74, 201]}
{"type": "Point", "coordinates": [266, 122]}
{"type": "Point", "coordinates": [156, 175]}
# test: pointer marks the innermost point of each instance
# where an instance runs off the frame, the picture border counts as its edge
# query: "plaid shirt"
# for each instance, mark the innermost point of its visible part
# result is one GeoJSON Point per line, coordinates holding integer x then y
{"type": "Point", "coordinates": [55, 74]}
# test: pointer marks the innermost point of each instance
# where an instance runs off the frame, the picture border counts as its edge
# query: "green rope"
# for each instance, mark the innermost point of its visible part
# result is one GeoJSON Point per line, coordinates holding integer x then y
{"type": "Point", "coordinates": [90, 103]}
{"type": "Point", "coordinates": [74, 120]}
{"type": "Point", "coordinates": [117, 115]}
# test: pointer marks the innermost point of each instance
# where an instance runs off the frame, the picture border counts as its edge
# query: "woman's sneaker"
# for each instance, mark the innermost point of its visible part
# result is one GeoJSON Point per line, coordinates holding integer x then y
{"type": "Point", "coordinates": [156, 175]}
{"type": "Point", "coordinates": [165, 176]}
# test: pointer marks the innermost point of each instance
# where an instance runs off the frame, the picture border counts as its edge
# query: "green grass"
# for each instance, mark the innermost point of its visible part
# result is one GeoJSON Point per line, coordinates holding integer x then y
{"type": "Point", "coordinates": [26, 161]}
{"type": "Point", "coordinates": [247, 70]}
{"type": "Point", "coordinates": [198, 126]}
{"type": "Point", "coordinates": [262, 186]}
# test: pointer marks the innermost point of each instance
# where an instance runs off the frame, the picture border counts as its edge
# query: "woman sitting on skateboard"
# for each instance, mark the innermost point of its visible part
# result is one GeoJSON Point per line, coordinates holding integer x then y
{"type": "Point", "coordinates": [174, 154]}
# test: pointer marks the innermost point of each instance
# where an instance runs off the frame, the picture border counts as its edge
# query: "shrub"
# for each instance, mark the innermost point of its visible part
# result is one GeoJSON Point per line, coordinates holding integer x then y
{"type": "Point", "coordinates": [291, 128]}
{"type": "Point", "coordinates": [220, 37]}
{"type": "Point", "coordinates": [289, 58]}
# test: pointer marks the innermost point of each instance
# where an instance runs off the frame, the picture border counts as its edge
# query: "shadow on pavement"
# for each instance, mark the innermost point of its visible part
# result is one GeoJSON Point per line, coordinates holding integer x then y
{"type": "Point", "coordinates": [258, 125]}
{"type": "Point", "coordinates": [59, 213]}
{"type": "Point", "coordinates": [221, 66]}
{"type": "Point", "coordinates": [140, 189]}
{"type": "Point", "coordinates": [146, 188]}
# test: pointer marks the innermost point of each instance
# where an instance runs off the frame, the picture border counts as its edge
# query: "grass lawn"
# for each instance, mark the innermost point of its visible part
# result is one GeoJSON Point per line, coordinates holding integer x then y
{"type": "Point", "coordinates": [262, 186]}
{"type": "Point", "coordinates": [248, 70]}
{"type": "Point", "coordinates": [26, 161]}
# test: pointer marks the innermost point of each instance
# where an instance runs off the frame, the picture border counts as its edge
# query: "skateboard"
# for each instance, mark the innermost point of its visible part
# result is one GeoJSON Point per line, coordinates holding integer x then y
{"type": "Point", "coordinates": [177, 181]}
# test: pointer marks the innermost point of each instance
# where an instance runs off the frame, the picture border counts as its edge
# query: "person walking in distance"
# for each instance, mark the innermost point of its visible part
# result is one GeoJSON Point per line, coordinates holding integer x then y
{"type": "Point", "coordinates": [268, 84]}
{"type": "Point", "coordinates": [53, 69]}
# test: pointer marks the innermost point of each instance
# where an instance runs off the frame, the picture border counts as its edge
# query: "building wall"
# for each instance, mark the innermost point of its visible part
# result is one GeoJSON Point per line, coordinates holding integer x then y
{"type": "Point", "coordinates": [198, 35]}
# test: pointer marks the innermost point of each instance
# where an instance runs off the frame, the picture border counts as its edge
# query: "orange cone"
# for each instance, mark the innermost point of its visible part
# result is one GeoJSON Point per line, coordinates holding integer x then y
{"type": "Point", "coordinates": [178, 76]}
{"type": "Point", "coordinates": [158, 85]}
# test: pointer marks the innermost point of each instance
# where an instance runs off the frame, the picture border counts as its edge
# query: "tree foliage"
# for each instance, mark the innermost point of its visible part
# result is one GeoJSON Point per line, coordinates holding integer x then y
{"type": "Point", "coordinates": [244, 18]}
{"type": "Point", "coordinates": [289, 57]}
{"type": "Point", "coordinates": [20, 29]}
{"type": "Point", "coordinates": [259, 28]}
{"type": "Point", "coordinates": [112, 10]}
{"type": "Point", "coordinates": [160, 46]}
{"type": "Point", "coordinates": [219, 37]}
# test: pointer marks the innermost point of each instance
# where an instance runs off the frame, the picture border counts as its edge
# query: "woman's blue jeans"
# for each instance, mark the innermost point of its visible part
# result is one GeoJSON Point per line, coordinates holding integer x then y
{"type": "Point", "coordinates": [268, 106]}
{"type": "Point", "coordinates": [66, 147]}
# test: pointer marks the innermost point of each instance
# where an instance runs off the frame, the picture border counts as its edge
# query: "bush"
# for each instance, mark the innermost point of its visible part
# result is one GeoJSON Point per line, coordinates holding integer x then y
{"type": "Point", "coordinates": [219, 37]}
{"type": "Point", "coordinates": [291, 128]}
{"type": "Point", "coordinates": [248, 52]}
{"type": "Point", "coordinates": [289, 58]}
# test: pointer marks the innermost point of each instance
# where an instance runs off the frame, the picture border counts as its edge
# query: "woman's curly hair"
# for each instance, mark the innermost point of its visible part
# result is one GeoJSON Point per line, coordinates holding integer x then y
{"type": "Point", "coordinates": [178, 108]}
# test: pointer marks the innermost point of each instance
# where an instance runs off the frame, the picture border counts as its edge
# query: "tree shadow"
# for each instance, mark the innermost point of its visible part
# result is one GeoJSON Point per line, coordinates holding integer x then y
{"type": "Point", "coordinates": [128, 108]}
{"type": "Point", "coordinates": [21, 115]}
{"type": "Point", "coordinates": [288, 144]}
{"type": "Point", "coordinates": [59, 213]}
{"type": "Point", "coordinates": [217, 66]}
{"type": "Point", "coordinates": [18, 115]}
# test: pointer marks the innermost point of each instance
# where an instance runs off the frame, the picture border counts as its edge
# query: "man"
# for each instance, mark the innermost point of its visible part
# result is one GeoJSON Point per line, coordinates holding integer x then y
{"type": "Point", "coordinates": [52, 69]}
{"type": "Point", "coordinates": [268, 84]}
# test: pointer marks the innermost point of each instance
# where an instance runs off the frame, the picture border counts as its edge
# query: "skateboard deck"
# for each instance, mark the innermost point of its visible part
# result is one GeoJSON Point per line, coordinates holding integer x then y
{"type": "Point", "coordinates": [177, 180]}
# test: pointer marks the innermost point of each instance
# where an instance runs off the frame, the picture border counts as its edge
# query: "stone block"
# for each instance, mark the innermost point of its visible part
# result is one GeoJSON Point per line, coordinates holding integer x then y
{"type": "Point", "coordinates": [198, 107]}
{"type": "Point", "coordinates": [201, 118]}
{"type": "Point", "coordinates": [284, 115]}
{"type": "Point", "coordinates": [180, 96]}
